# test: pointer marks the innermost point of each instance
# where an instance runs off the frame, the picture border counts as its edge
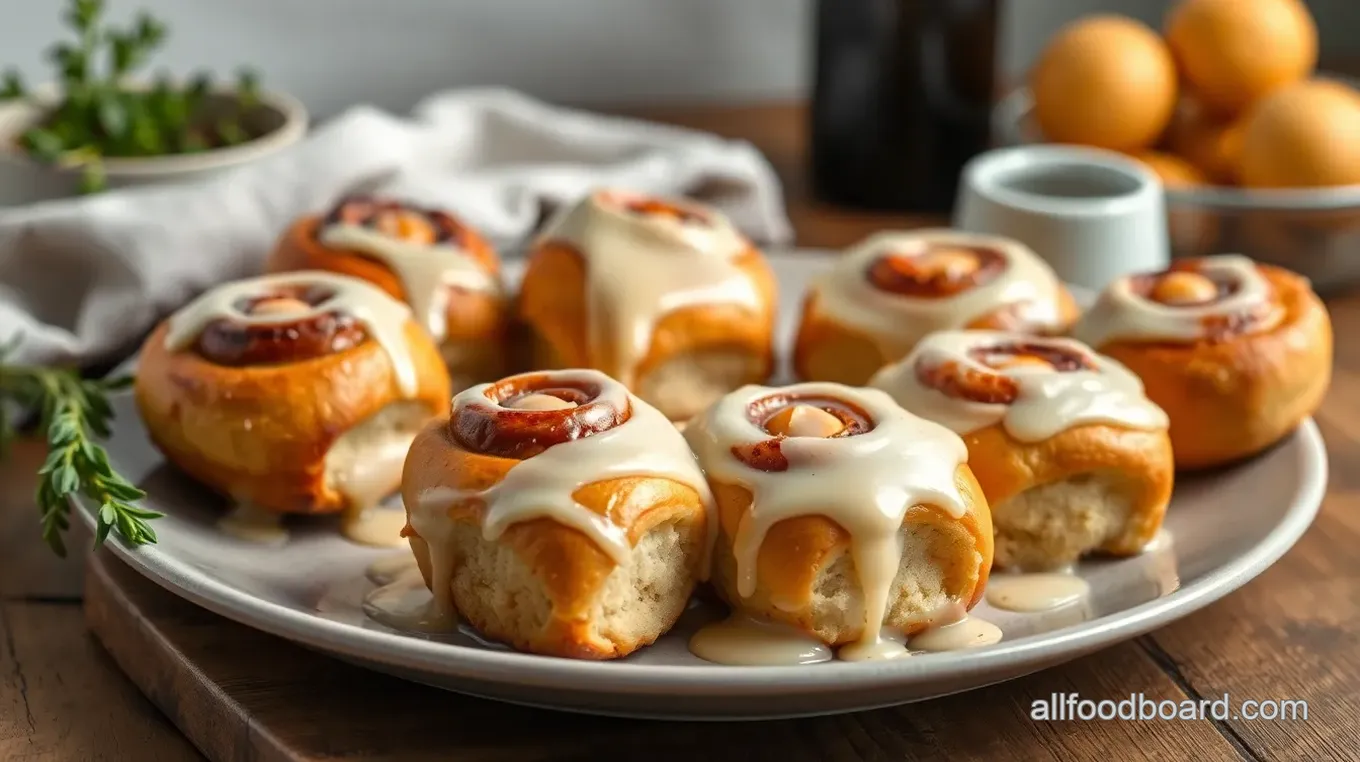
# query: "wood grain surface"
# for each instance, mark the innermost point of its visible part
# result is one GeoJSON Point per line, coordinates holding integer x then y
{"type": "Point", "coordinates": [1294, 633]}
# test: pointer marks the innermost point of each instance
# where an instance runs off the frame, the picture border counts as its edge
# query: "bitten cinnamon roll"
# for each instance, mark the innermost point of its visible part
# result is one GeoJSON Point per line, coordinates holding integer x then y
{"type": "Point", "coordinates": [662, 294]}
{"type": "Point", "coordinates": [1237, 353]}
{"type": "Point", "coordinates": [557, 512]}
{"type": "Point", "coordinates": [443, 269]}
{"type": "Point", "coordinates": [1071, 455]}
{"type": "Point", "coordinates": [892, 289]}
{"type": "Point", "coordinates": [293, 393]}
{"type": "Point", "coordinates": [841, 515]}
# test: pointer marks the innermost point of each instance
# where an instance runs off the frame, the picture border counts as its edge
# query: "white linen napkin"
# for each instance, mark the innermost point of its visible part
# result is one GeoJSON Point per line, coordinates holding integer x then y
{"type": "Point", "coordinates": [81, 278]}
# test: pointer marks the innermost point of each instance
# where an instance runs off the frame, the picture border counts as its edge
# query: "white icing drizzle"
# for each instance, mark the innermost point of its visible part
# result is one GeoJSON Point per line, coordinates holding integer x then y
{"type": "Point", "coordinates": [405, 604]}
{"type": "Point", "coordinates": [969, 632]}
{"type": "Point", "coordinates": [1121, 313]}
{"type": "Point", "coordinates": [741, 640]}
{"type": "Point", "coordinates": [542, 486]}
{"type": "Point", "coordinates": [1035, 592]}
{"type": "Point", "coordinates": [1049, 401]}
{"type": "Point", "coordinates": [897, 322]}
{"type": "Point", "coordinates": [378, 526]}
{"type": "Point", "coordinates": [383, 317]}
{"type": "Point", "coordinates": [249, 522]}
{"type": "Point", "coordinates": [426, 271]}
{"type": "Point", "coordinates": [640, 268]}
{"type": "Point", "coordinates": [865, 483]}
{"type": "Point", "coordinates": [389, 568]}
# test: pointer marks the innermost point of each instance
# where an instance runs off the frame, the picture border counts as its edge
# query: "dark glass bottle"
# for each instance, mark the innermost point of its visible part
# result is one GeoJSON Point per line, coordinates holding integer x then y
{"type": "Point", "coordinates": [901, 99]}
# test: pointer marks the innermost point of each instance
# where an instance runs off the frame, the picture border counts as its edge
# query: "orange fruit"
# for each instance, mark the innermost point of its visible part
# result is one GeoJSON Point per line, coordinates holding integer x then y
{"type": "Point", "coordinates": [1210, 142]}
{"type": "Point", "coordinates": [1105, 81]}
{"type": "Point", "coordinates": [1174, 171]}
{"type": "Point", "coordinates": [1193, 232]}
{"type": "Point", "coordinates": [1233, 52]}
{"type": "Point", "coordinates": [1305, 135]}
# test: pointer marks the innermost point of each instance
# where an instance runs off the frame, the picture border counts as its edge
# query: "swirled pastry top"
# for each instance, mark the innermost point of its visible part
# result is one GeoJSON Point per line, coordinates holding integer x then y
{"type": "Point", "coordinates": [567, 429]}
{"type": "Point", "coordinates": [1035, 387]}
{"type": "Point", "coordinates": [644, 258]}
{"type": "Point", "coordinates": [290, 316]}
{"type": "Point", "coordinates": [849, 454]}
{"type": "Point", "coordinates": [424, 248]}
{"type": "Point", "coordinates": [899, 286]}
{"type": "Point", "coordinates": [1203, 299]}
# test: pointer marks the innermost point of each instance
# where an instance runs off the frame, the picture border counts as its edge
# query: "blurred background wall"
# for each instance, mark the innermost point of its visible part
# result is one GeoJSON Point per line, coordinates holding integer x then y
{"type": "Point", "coordinates": [333, 53]}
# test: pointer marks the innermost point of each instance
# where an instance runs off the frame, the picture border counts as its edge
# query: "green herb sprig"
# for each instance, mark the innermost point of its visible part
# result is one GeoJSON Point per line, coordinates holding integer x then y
{"type": "Point", "coordinates": [99, 116]}
{"type": "Point", "coordinates": [74, 413]}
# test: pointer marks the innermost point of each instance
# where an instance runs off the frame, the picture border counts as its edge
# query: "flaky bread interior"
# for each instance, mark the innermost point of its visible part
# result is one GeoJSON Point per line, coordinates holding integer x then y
{"type": "Point", "coordinates": [505, 599]}
{"type": "Point", "coordinates": [546, 587]}
{"type": "Point", "coordinates": [1053, 525]}
{"type": "Point", "coordinates": [939, 565]}
{"type": "Point", "coordinates": [1088, 488]}
{"type": "Point", "coordinates": [806, 576]}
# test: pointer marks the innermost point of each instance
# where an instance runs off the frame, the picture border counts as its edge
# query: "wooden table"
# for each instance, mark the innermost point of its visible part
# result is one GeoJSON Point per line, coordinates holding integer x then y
{"type": "Point", "coordinates": [1294, 633]}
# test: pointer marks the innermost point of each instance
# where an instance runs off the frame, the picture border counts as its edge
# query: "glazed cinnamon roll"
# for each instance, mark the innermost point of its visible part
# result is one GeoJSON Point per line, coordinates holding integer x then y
{"type": "Point", "coordinates": [841, 515]}
{"type": "Point", "coordinates": [892, 289]}
{"type": "Point", "coordinates": [445, 270]}
{"type": "Point", "coordinates": [662, 294]}
{"type": "Point", "coordinates": [292, 393]}
{"type": "Point", "coordinates": [558, 513]}
{"type": "Point", "coordinates": [1071, 455]}
{"type": "Point", "coordinates": [1237, 353]}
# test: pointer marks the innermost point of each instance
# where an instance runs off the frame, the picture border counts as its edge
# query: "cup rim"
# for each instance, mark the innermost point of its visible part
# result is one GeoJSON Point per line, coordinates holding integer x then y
{"type": "Point", "coordinates": [989, 174]}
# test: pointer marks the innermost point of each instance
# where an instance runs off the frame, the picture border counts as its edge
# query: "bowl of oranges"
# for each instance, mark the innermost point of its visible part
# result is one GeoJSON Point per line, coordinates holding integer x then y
{"type": "Point", "coordinates": [1258, 151]}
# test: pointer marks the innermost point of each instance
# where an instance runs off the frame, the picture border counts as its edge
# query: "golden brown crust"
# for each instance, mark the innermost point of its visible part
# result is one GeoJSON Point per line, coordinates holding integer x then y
{"type": "Point", "coordinates": [552, 304]}
{"type": "Point", "coordinates": [1233, 397]}
{"type": "Point", "coordinates": [796, 552]}
{"type": "Point", "coordinates": [1140, 461]}
{"type": "Point", "coordinates": [828, 350]}
{"type": "Point", "coordinates": [569, 566]}
{"type": "Point", "coordinates": [261, 433]}
{"type": "Point", "coordinates": [474, 319]}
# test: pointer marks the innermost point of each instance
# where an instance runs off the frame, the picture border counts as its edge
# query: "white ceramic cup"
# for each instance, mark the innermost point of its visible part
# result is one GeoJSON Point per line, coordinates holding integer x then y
{"type": "Point", "coordinates": [1093, 215]}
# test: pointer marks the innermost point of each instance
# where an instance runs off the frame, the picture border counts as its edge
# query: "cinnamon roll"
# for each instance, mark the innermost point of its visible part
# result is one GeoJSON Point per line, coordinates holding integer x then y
{"type": "Point", "coordinates": [841, 515]}
{"type": "Point", "coordinates": [1238, 353]}
{"type": "Point", "coordinates": [892, 289]}
{"type": "Point", "coordinates": [1071, 455]}
{"type": "Point", "coordinates": [292, 393]}
{"type": "Point", "coordinates": [662, 294]}
{"type": "Point", "coordinates": [445, 270]}
{"type": "Point", "coordinates": [557, 512]}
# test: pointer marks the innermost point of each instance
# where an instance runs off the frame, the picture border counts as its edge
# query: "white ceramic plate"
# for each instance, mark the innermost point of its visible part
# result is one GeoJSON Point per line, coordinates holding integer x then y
{"type": "Point", "coordinates": [1222, 529]}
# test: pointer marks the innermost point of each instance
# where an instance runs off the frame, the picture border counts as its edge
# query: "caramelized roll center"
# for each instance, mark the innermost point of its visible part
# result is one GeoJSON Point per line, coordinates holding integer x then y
{"type": "Point", "coordinates": [521, 420]}
{"type": "Point", "coordinates": [292, 331]}
{"type": "Point", "coordinates": [1187, 285]}
{"type": "Point", "coordinates": [963, 381]}
{"type": "Point", "coordinates": [935, 271]}
{"type": "Point", "coordinates": [399, 221]}
{"type": "Point", "coordinates": [784, 415]}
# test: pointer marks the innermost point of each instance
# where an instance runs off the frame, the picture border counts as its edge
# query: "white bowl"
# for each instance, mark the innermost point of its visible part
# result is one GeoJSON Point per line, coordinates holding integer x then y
{"type": "Point", "coordinates": [25, 181]}
{"type": "Point", "coordinates": [1092, 215]}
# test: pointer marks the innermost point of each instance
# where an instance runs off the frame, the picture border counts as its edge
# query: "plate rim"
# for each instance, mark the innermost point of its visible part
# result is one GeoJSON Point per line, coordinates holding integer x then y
{"type": "Point", "coordinates": [1032, 652]}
